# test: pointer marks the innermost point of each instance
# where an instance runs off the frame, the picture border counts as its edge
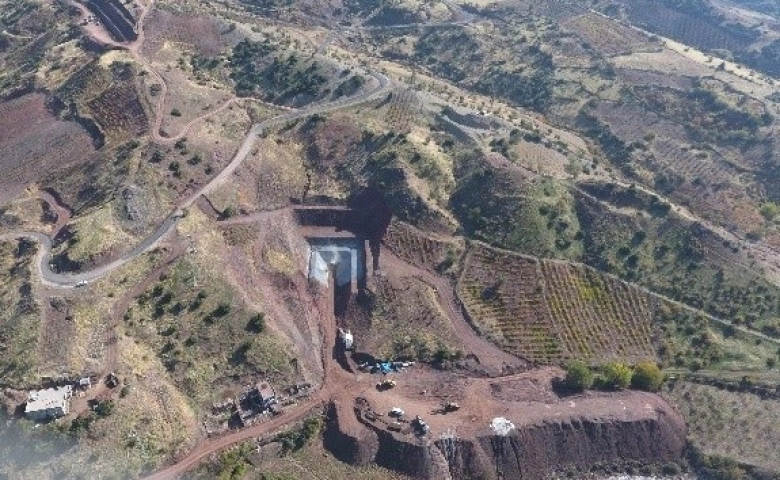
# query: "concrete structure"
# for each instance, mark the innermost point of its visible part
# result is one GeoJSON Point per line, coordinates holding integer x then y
{"type": "Point", "coordinates": [266, 395]}
{"type": "Point", "coordinates": [50, 403]}
{"type": "Point", "coordinates": [346, 255]}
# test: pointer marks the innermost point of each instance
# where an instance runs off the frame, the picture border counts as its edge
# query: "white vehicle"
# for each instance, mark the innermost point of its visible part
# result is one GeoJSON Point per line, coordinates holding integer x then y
{"type": "Point", "coordinates": [82, 283]}
{"type": "Point", "coordinates": [396, 412]}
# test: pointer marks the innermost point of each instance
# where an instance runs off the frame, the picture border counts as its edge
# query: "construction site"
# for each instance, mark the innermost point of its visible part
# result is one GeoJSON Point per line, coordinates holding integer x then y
{"type": "Point", "coordinates": [461, 418]}
{"type": "Point", "coordinates": [307, 237]}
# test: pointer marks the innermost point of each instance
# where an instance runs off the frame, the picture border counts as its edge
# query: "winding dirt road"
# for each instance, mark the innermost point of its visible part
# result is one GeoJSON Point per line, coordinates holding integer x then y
{"type": "Point", "coordinates": [56, 280]}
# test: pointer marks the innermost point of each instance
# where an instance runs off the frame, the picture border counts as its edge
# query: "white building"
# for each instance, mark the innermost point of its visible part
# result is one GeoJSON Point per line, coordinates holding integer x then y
{"type": "Point", "coordinates": [49, 403]}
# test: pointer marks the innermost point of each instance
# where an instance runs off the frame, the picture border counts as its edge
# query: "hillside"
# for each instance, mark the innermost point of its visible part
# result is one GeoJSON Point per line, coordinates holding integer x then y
{"type": "Point", "coordinates": [202, 201]}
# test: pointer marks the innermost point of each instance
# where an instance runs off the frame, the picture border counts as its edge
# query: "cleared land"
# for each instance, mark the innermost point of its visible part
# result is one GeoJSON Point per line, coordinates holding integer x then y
{"type": "Point", "coordinates": [33, 141]}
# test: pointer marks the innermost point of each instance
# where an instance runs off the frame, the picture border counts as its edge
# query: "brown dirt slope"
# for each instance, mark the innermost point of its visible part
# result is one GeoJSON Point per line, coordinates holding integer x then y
{"type": "Point", "coordinates": [34, 142]}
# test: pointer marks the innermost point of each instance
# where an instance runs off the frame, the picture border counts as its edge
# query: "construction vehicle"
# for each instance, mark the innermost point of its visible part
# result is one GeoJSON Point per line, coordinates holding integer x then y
{"type": "Point", "coordinates": [396, 412]}
{"type": "Point", "coordinates": [420, 427]}
{"type": "Point", "coordinates": [385, 385]}
{"type": "Point", "coordinates": [347, 339]}
{"type": "Point", "coordinates": [450, 407]}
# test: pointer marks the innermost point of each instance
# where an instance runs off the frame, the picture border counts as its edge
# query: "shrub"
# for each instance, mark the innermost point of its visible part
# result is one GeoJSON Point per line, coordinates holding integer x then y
{"type": "Point", "coordinates": [221, 310]}
{"type": "Point", "coordinates": [647, 376]}
{"type": "Point", "coordinates": [615, 375]}
{"type": "Point", "coordinates": [297, 439]}
{"type": "Point", "coordinates": [578, 376]}
{"type": "Point", "coordinates": [256, 324]}
{"type": "Point", "coordinates": [104, 409]}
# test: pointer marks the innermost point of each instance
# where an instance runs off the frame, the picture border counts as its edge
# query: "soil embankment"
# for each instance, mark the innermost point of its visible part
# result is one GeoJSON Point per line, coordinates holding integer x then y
{"type": "Point", "coordinates": [532, 450]}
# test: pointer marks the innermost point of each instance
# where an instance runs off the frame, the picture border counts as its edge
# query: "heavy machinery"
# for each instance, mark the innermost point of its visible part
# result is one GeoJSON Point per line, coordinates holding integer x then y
{"type": "Point", "coordinates": [450, 407]}
{"type": "Point", "coordinates": [385, 385]}
{"type": "Point", "coordinates": [420, 427]}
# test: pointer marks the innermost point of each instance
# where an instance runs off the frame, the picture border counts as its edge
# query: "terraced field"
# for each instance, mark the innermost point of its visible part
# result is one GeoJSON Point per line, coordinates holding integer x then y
{"type": "Point", "coordinates": [119, 111]}
{"type": "Point", "coordinates": [417, 248]}
{"type": "Point", "coordinates": [404, 107]}
{"type": "Point", "coordinates": [606, 35]}
{"type": "Point", "coordinates": [598, 316]}
{"type": "Point", "coordinates": [715, 416]}
{"type": "Point", "coordinates": [549, 311]}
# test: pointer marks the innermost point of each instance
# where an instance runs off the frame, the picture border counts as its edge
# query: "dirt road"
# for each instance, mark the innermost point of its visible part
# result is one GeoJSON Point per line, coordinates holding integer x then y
{"type": "Point", "coordinates": [55, 280]}
{"type": "Point", "coordinates": [489, 355]}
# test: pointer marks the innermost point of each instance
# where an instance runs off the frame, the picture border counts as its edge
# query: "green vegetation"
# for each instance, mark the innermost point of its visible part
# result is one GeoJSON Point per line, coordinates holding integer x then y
{"type": "Point", "coordinates": [256, 324]}
{"type": "Point", "coordinates": [691, 341]}
{"type": "Point", "coordinates": [579, 376]}
{"type": "Point", "coordinates": [706, 116]}
{"type": "Point", "coordinates": [647, 376]}
{"type": "Point", "coordinates": [200, 333]}
{"type": "Point", "coordinates": [258, 68]}
{"type": "Point", "coordinates": [672, 256]}
{"type": "Point", "coordinates": [453, 54]}
{"type": "Point", "coordinates": [296, 439]}
{"type": "Point", "coordinates": [350, 86]}
{"type": "Point", "coordinates": [19, 315]}
{"type": "Point", "coordinates": [233, 464]}
{"type": "Point", "coordinates": [614, 376]}
{"type": "Point", "coordinates": [730, 426]}
{"type": "Point", "coordinates": [537, 218]}
{"type": "Point", "coordinates": [770, 211]}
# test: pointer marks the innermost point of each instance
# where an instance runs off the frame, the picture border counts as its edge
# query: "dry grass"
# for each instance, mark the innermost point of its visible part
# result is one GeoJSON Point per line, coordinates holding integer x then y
{"type": "Point", "coordinates": [19, 317]}
{"type": "Point", "coordinates": [60, 63]}
{"type": "Point", "coordinates": [314, 462]}
{"type": "Point", "coordinates": [607, 35]}
{"type": "Point", "coordinates": [738, 425]}
{"type": "Point", "coordinates": [267, 180]}
{"type": "Point", "coordinates": [408, 321]}
{"type": "Point", "coordinates": [98, 231]}
{"type": "Point", "coordinates": [24, 213]}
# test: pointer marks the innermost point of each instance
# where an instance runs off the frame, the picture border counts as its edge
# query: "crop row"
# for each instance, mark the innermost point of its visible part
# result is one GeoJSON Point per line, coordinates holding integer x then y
{"type": "Point", "coordinates": [596, 316]}
{"type": "Point", "coordinates": [404, 106]}
{"type": "Point", "coordinates": [554, 9]}
{"type": "Point", "coordinates": [690, 165]}
{"type": "Point", "coordinates": [119, 112]}
{"type": "Point", "coordinates": [549, 311]}
{"type": "Point", "coordinates": [415, 247]}
{"type": "Point", "coordinates": [607, 36]}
